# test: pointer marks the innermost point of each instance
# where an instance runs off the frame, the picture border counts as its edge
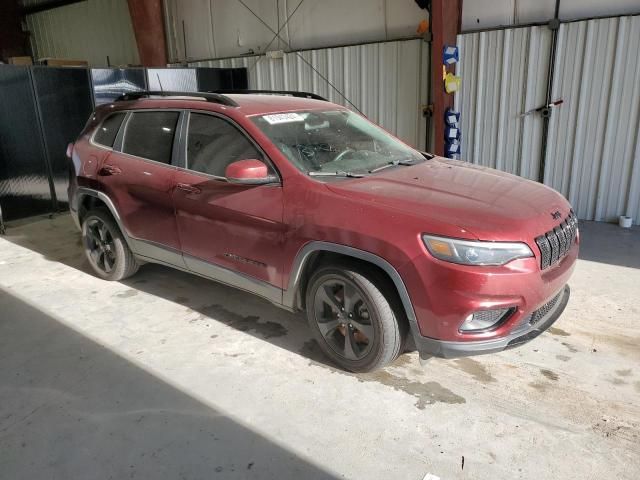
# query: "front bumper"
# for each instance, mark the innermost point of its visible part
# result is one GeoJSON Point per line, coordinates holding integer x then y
{"type": "Point", "coordinates": [429, 347]}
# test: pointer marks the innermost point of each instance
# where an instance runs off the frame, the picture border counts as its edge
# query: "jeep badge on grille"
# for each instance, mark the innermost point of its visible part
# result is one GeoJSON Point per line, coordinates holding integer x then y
{"type": "Point", "coordinates": [556, 215]}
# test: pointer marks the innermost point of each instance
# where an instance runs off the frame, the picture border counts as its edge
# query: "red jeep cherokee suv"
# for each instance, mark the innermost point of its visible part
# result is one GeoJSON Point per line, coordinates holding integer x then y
{"type": "Point", "coordinates": [314, 208]}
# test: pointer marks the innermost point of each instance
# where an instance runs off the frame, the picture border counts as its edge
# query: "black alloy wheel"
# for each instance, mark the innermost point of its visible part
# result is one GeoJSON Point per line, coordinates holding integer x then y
{"type": "Point", "coordinates": [100, 245]}
{"type": "Point", "coordinates": [354, 314]}
{"type": "Point", "coordinates": [344, 318]}
{"type": "Point", "coordinates": [105, 247]}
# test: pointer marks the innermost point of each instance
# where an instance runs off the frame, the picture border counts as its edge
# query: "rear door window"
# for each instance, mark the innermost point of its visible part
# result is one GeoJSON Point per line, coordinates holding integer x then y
{"type": "Point", "coordinates": [150, 135]}
{"type": "Point", "coordinates": [108, 130]}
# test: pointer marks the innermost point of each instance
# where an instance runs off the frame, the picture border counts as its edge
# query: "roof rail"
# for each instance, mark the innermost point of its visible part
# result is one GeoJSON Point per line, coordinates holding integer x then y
{"type": "Point", "coordinates": [291, 93]}
{"type": "Point", "coordinates": [208, 96]}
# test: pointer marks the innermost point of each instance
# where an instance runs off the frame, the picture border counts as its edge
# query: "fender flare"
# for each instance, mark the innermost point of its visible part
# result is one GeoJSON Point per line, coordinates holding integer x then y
{"type": "Point", "coordinates": [89, 192]}
{"type": "Point", "coordinates": [289, 295]}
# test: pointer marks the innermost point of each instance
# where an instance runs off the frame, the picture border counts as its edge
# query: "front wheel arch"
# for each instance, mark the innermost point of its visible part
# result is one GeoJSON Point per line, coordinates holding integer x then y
{"type": "Point", "coordinates": [315, 254]}
{"type": "Point", "coordinates": [374, 340]}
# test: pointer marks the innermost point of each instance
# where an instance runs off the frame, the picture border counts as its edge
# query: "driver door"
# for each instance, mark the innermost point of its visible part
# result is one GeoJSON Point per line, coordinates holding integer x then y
{"type": "Point", "coordinates": [223, 225]}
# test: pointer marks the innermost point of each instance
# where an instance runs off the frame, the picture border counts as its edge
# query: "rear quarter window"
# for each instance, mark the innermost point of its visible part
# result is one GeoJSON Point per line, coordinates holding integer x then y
{"type": "Point", "coordinates": [108, 130]}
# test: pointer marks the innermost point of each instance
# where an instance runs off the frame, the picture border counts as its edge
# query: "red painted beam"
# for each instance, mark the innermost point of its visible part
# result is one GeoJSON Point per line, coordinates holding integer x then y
{"type": "Point", "coordinates": [446, 19]}
{"type": "Point", "coordinates": [148, 27]}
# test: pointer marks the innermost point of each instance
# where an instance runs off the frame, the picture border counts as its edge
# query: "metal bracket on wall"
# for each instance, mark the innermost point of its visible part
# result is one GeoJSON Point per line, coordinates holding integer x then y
{"type": "Point", "coordinates": [544, 110]}
{"type": "Point", "coordinates": [427, 110]}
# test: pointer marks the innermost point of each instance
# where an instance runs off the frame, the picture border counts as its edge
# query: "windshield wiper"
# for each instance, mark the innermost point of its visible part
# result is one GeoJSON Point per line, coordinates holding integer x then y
{"type": "Point", "coordinates": [335, 174]}
{"type": "Point", "coordinates": [394, 163]}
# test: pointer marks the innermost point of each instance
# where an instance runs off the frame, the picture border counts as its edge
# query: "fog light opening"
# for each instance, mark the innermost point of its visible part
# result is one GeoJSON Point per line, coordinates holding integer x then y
{"type": "Point", "coordinates": [485, 320]}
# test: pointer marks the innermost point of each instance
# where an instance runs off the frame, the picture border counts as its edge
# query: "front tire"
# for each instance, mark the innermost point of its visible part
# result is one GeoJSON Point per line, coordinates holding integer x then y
{"type": "Point", "coordinates": [105, 247]}
{"type": "Point", "coordinates": [350, 312]}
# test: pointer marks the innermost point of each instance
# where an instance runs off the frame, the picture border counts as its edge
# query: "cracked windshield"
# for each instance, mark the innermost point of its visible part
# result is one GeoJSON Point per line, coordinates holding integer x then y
{"type": "Point", "coordinates": [337, 142]}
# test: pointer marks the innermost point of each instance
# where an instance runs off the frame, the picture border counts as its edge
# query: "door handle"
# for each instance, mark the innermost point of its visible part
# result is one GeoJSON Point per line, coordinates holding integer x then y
{"type": "Point", "coordinates": [107, 170]}
{"type": "Point", "coordinates": [185, 187]}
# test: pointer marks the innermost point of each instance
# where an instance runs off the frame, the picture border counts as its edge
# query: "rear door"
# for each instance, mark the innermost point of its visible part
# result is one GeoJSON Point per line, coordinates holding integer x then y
{"type": "Point", "coordinates": [138, 176]}
{"type": "Point", "coordinates": [237, 227]}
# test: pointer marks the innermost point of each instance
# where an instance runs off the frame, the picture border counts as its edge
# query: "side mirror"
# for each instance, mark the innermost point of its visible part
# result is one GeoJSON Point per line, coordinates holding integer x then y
{"type": "Point", "coordinates": [249, 172]}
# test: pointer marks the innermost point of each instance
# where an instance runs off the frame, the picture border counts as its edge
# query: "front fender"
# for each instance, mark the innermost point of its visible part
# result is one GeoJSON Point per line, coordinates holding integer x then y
{"type": "Point", "coordinates": [303, 256]}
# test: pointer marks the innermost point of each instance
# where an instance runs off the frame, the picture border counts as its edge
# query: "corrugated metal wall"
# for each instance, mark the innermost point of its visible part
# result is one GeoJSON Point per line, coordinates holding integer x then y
{"type": "Point", "coordinates": [484, 14]}
{"type": "Point", "coordinates": [504, 73]}
{"type": "Point", "coordinates": [593, 147]}
{"type": "Point", "coordinates": [387, 81]}
{"type": "Point", "coordinates": [593, 155]}
{"type": "Point", "coordinates": [206, 28]}
{"type": "Point", "coordinates": [90, 31]}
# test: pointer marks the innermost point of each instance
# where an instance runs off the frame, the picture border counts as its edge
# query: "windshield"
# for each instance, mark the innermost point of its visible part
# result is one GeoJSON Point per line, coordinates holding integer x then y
{"type": "Point", "coordinates": [334, 141]}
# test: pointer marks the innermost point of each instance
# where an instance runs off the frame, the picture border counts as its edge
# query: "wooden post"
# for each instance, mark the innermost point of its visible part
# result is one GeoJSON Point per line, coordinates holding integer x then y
{"type": "Point", "coordinates": [148, 27]}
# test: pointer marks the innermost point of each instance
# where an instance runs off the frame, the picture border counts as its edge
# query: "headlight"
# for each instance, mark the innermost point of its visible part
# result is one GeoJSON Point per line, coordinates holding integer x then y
{"type": "Point", "coordinates": [467, 252]}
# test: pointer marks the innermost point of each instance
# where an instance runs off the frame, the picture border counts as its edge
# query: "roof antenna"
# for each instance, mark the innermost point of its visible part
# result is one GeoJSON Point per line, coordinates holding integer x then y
{"type": "Point", "coordinates": [158, 75]}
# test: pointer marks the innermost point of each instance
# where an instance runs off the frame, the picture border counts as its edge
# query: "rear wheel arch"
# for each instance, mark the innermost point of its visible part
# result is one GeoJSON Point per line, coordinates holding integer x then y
{"type": "Point", "coordinates": [89, 199]}
{"type": "Point", "coordinates": [89, 202]}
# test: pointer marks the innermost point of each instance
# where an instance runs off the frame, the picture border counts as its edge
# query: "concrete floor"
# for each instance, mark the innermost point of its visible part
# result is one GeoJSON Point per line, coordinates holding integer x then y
{"type": "Point", "coordinates": [169, 376]}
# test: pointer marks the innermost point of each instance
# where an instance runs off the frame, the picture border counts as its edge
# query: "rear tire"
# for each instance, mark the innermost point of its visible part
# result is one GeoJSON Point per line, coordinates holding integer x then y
{"type": "Point", "coordinates": [105, 247]}
{"type": "Point", "coordinates": [355, 301]}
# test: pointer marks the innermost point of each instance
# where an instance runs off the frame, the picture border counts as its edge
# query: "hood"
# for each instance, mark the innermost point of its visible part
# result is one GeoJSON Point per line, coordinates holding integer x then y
{"type": "Point", "coordinates": [487, 203]}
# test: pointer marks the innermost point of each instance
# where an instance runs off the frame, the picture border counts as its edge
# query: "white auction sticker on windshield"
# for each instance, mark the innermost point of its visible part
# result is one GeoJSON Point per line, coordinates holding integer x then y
{"type": "Point", "coordinates": [283, 118]}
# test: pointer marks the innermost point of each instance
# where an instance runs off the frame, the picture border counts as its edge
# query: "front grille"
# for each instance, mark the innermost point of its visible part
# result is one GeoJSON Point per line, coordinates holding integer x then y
{"type": "Point", "coordinates": [544, 310]}
{"type": "Point", "coordinates": [555, 244]}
